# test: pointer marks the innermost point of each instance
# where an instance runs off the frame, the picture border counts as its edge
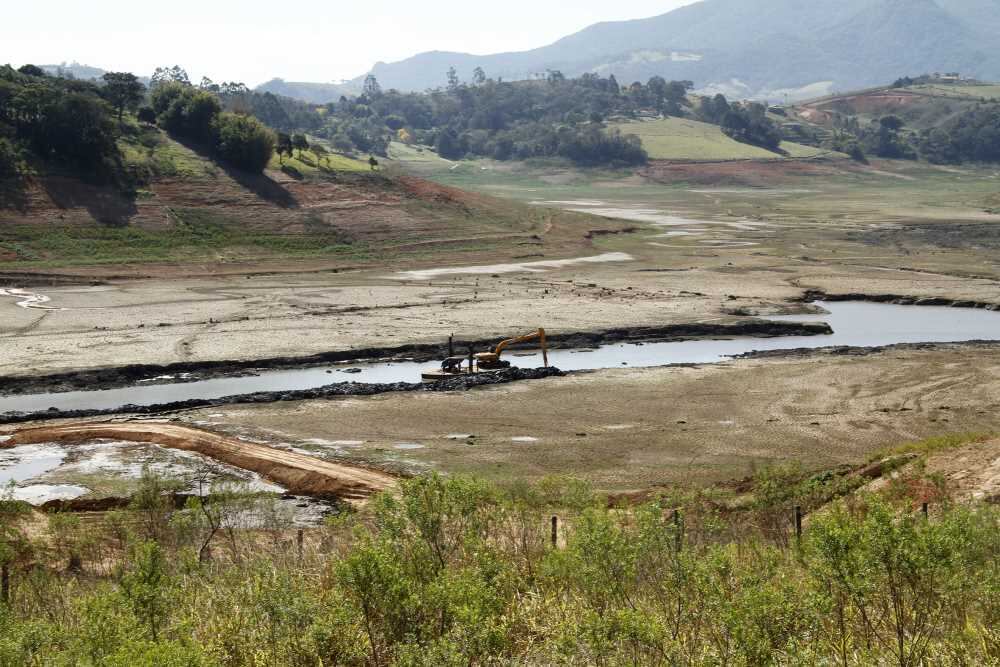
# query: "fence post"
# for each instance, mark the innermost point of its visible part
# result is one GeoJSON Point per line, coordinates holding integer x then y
{"type": "Point", "coordinates": [299, 538]}
{"type": "Point", "coordinates": [678, 534]}
{"type": "Point", "coordinates": [472, 358]}
{"type": "Point", "coordinates": [555, 531]}
{"type": "Point", "coordinates": [4, 584]}
{"type": "Point", "coordinates": [451, 345]}
{"type": "Point", "coordinates": [926, 510]}
{"type": "Point", "coordinates": [798, 523]}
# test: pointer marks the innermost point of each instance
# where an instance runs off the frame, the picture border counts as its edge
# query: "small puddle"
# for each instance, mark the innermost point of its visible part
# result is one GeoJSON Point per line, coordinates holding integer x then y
{"type": "Point", "coordinates": [855, 324]}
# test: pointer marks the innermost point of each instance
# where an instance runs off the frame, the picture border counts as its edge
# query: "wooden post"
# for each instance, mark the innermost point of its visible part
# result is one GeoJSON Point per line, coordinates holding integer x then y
{"type": "Point", "coordinates": [798, 523]}
{"type": "Point", "coordinates": [472, 359]}
{"type": "Point", "coordinates": [555, 531]}
{"type": "Point", "coordinates": [677, 531]}
{"type": "Point", "coordinates": [4, 584]}
{"type": "Point", "coordinates": [299, 538]}
{"type": "Point", "coordinates": [451, 345]}
{"type": "Point", "coordinates": [926, 510]}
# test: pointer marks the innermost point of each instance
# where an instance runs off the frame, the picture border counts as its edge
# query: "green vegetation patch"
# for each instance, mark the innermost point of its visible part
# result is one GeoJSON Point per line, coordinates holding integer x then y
{"type": "Point", "coordinates": [197, 234]}
{"type": "Point", "coordinates": [685, 139]}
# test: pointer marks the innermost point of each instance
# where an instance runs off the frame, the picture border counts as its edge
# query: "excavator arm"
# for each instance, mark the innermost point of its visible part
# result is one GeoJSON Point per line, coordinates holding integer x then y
{"type": "Point", "coordinates": [494, 356]}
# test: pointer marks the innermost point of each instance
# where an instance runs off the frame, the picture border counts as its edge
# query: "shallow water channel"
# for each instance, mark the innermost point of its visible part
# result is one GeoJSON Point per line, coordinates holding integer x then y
{"type": "Point", "coordinates": [856, 324]}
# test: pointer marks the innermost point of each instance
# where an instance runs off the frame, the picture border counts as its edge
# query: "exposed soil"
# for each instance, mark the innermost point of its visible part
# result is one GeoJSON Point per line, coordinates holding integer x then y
{"type": "Point", "coordinates": [972, 471]}
{"type": "Point", "coordinates": [633, 429]}
{"type": "Point", "coordinates": [299, 473]}
{"type": "Point", "coordinates": [745, 173]}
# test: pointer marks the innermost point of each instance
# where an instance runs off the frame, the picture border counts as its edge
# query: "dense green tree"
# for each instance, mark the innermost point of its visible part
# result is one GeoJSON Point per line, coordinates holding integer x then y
{"type": "Point", "coordinates": [283, 146]}
{"type": "Point", "coordinates": [448, 146]}
{"type": "Point", "coordinates": [300, 143]}
{"type": "Point", "coordinates": [479, 76]}
{"type": "Point", "coordinates": [123, 91]}
{"type": "Point", "coordinates": [395, 123]}
{"type": "Point", "coordinates": [31, 70]}
{"type": "Point", "coordinates": [243, 141]}
{"type": "Point", "coordinates": [146, 115]}
{"type": "Point", "coordinates": [175, 74]}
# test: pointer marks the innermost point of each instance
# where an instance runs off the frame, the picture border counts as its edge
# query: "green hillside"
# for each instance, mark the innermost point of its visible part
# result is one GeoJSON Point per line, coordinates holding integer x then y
{"type": "Point", "coordinates": [684, 139]}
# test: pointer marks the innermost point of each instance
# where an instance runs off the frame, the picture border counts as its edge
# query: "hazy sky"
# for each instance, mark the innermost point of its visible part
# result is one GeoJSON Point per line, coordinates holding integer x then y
{"type": "Point", "coordinates": [303, 40]}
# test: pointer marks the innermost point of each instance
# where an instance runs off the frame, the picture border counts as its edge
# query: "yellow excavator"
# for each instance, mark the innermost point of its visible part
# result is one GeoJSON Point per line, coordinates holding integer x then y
{"type": "Point", "coordinates": [485, 361]}
{"type": "Point", "coordinates": [491, 360]}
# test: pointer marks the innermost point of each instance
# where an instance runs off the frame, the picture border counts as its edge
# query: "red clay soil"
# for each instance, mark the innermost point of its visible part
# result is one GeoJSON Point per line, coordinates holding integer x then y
{"type": "Point", "coordinates": [299, 473]}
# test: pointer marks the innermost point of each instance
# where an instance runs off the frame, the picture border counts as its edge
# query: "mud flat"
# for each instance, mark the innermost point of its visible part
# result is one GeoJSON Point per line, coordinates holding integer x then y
{"type": "Point", "coordinates": [642, 428]}
{"type": "Point", "coordinates": [298, 473]}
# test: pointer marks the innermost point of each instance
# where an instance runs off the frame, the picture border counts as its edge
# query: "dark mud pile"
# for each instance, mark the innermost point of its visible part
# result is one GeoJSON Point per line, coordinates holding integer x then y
{"type": "Point", "coordinates": [897, 299]}
{"type": "Point", "coordinates": [329, 391]}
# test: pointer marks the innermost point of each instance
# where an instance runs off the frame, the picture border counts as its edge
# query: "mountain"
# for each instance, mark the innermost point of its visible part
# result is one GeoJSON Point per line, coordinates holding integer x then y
{"type": "Point", "coordinates": [762, 48]}
{"type": "Point", "coordinates": [315, 93]}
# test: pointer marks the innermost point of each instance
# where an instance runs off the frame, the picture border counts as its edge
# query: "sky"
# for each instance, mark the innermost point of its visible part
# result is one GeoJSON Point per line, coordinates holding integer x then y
{"type": "Point", "coordinates": [306, 40]}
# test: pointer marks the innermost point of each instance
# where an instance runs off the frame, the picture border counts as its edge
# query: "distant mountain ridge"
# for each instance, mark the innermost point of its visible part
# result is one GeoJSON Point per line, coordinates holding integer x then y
{"type": "Point", "coordinates": [762, 48]}
{"type": "Point", "coordinates": [315, 93]}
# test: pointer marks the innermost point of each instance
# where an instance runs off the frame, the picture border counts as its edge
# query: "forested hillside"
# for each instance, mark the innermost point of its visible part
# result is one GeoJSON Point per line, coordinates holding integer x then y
{"type": "Point", "coordinates": [764, 48]}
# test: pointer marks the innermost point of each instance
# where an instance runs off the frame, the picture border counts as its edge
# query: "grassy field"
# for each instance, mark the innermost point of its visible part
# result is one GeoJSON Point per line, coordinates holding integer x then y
{"type": "Point", "coordinates": [305, 163]}
{"type": "Point", "coordinates": [990, 91]}
{"type": "Point", "coordinates": [683, 139]}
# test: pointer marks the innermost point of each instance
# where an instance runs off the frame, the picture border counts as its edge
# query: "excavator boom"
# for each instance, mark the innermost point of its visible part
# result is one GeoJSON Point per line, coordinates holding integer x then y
{"type": "Point", "coordinates": [487, 359]}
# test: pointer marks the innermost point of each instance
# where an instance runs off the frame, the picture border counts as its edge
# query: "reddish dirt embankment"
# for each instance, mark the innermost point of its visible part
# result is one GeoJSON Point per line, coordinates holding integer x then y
{"type": "Point", "coordinates": [300, 474]}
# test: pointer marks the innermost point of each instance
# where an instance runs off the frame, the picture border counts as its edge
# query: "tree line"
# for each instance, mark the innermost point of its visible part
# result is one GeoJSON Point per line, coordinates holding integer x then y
{"type": "Point", "coordinates": [76, 124]}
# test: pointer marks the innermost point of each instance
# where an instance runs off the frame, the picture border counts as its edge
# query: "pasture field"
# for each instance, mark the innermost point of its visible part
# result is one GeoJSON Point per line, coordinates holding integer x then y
{"type": "Point", "coordinates": [685, 139]}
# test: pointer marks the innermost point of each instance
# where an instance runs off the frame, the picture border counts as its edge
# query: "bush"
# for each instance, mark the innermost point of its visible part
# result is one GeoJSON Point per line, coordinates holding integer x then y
{"type": "Point", "coordinates": [243, 141]}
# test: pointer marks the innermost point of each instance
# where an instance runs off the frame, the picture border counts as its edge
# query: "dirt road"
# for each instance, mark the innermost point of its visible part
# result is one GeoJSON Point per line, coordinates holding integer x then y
{"type": "Point", "coordinates": [300, 474]}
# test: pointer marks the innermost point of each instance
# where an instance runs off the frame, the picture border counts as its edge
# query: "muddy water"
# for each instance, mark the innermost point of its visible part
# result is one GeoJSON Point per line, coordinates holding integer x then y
{"type": "Point", "coordinates": [52, 471]}
{"type": "Point", "coordinates": [855, 324]}
{"type": "Point", "coordinates": [29, 462]}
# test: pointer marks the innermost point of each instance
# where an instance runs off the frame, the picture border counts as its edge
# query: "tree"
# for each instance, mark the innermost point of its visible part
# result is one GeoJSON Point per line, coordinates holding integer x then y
{"type": "Point", "coordinates": [320, 153]}
{"type": "Point", "coordinates": [284, 146]}
{"type": "Point", "coordinates": [453, 81]}
{"type": "Point", "coordinates": [209, 85]}
{"type": "Point", "coordinates": [448, 146]}
{"type": "Point", "coordinates": [167, 74]}
{"type": "Point", "coordinates": [300, 143]}
{"type": "Point", "coordinates": [31, 70]}
{"type": "Point", "coordinates": [123, 90]}
{"type": "Point", "coordinates": [243, 141]}
{"type": "Point", "coordinates": [554, 76]}
{"type": "Point", "coordinates": [372, 89]}
{"type": "Point", "coordinates": [146, 115]}
{"type": "Point", "coordinates": [395, 123]}
{"type": "Point", "coordinates": [478, 76]}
